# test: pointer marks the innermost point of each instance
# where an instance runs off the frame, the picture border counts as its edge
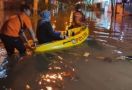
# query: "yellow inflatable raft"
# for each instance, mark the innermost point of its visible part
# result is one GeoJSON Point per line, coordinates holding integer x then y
{"type": "Point", "coordinates": [80, 35]}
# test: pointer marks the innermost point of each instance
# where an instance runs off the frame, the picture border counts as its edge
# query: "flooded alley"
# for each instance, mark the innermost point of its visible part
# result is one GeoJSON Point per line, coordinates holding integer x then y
{"type": "Point", "coordinates": [102, 62]}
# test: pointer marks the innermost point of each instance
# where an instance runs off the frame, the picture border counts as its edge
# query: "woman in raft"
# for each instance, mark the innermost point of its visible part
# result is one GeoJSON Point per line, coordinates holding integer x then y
{"type": "Point", "coordinates": [45, 32]}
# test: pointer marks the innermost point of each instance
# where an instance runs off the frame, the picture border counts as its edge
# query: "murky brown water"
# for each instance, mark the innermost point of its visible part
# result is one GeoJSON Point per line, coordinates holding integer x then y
{"type": "Point", "coordinates": [82, 67]}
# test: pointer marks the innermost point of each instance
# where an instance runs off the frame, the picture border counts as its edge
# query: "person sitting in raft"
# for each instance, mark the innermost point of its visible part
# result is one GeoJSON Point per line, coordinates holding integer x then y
{"type": "Point", "coordinates": [45, 32]}
{"type": "Point", "coordinates": [78, 17]}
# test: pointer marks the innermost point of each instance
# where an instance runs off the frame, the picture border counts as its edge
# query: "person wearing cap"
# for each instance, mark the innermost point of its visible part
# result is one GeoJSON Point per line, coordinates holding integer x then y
{"type": "Point", "coordinates": [45, 32]}
{"type": "Point", "coordinates": [10, 31]}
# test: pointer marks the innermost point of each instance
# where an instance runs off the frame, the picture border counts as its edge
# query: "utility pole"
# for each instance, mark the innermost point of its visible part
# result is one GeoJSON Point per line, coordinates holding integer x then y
{"type": "Point", "coordinates": [1, 4]}
{"type": "Point", "coordinates": [35, 7]}
{"type": "Point", "coordinates": [1, 12]}
{"type": "Point", "coordinates": [114, 11]}
{"type": "Point", "coordinates": [47, 4]}
{"type": "Point", "coordinates": [35, 14]}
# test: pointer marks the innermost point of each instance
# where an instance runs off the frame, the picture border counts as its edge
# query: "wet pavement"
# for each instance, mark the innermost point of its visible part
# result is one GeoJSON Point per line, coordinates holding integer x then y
{"type": "Point", "coordinates": [93, 65]}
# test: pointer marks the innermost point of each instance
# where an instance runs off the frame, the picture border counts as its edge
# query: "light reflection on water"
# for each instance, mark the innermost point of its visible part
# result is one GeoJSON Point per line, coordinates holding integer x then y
{"type": "Point", "coordinates": [58, 71]}
{"type": "Point", "coordinates": [52, 79]}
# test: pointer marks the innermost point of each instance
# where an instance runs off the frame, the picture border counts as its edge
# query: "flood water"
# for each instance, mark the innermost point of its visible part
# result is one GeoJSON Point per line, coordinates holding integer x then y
{"type": "Point", "coordinates": [93, 65]}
